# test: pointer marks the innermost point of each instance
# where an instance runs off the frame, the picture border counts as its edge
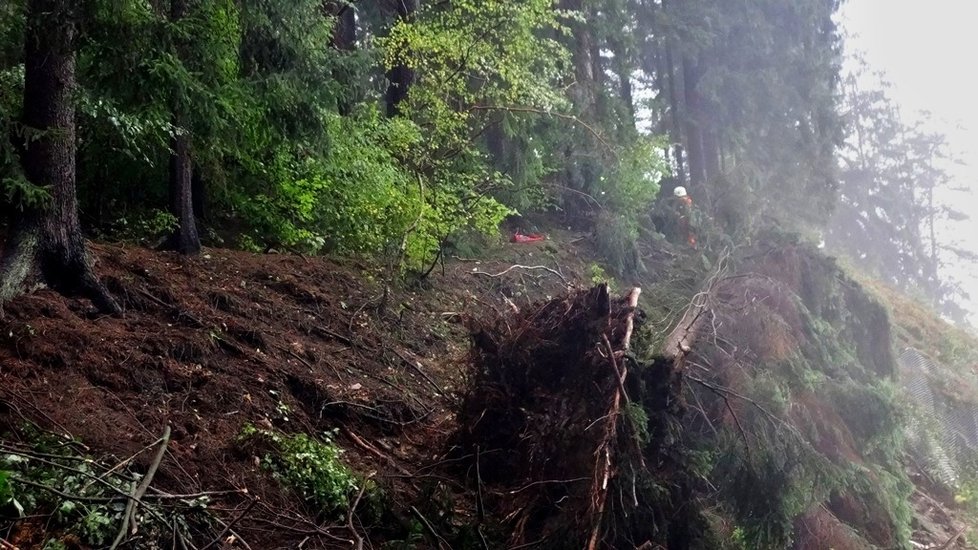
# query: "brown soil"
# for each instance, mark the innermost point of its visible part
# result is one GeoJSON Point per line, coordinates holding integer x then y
{"type": "Point", "coordinates": [210, 344]}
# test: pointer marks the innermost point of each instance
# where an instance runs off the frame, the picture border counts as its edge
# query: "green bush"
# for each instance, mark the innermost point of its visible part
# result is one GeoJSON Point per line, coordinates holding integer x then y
{"type": "Point", "coordinates": [313, 469]}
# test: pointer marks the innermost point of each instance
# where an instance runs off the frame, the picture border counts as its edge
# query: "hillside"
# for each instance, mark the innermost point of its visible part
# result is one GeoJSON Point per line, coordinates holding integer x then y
{"type": "Point", "coordinates": [210, 345]}
{"type": "Point", "coordinates": [777, 366]}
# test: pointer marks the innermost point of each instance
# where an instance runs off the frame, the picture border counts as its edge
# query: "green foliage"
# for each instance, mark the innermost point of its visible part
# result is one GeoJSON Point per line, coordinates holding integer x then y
{"type": "Point", "coordinates": [23, 194]}
{"type": "Point", "coordinates": [6, 493]}
{"type": "Point", "coordinates": [638, 419]}
{"type": "Point", "coordinates": [313, 469]}
{"type": "Point", "coordinates": [626, 194]}
{"type": "Point", "coordinates": [32, 476]}
{"type": "Point", "coordinates": [598, 275]}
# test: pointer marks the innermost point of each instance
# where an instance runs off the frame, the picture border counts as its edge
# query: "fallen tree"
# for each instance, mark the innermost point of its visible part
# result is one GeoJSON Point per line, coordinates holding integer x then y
{"type": "Point", "coordinates": [572, 435]}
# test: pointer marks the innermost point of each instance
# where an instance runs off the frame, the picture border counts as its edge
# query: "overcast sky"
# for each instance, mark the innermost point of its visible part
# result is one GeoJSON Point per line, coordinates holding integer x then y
{"type": "Point", "coordinates": [925, 50]}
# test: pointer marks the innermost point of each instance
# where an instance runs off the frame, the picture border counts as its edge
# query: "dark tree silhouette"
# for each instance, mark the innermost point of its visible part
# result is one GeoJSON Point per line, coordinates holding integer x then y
{"type": "Point", "coordinates": [185, 239]}
{"type": "Point", "coordinates": [45, 243]}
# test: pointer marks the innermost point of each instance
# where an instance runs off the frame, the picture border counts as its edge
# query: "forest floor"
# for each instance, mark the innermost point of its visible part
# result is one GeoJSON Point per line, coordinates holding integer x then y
{"type": "Point", "coordinates": [211, 345]}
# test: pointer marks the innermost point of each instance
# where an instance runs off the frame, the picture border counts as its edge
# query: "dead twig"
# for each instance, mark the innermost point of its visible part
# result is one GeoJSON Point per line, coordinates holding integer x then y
{"type": "Point", "coordinates": [416, 367]}
{"type": "Point", "coordinates": [359, 442]}
{"type": "Point", "coordinates": [162, 495]}
{"type": "Point", "coordinates": [720, 390]}
{"type": "Point", "coordinates": [546, 482]}
{"type": "Point", "coordinates": [227, 528]}
{"type": "Point", "coordinates": [174, 310]}
{"type": "Point", "coordinates": [137, 494]}
{"type": "Point", "coordinates": [357, 539]}
{"type": "Point", "coordinates": [510, 268]}
{"type": "Point", "coordinates": [335, 336]}
{"type": "Point", "coordinates": [441, 542]}
{"type": "Point", "coordinates": [954, 538]}
{"type": "Point", "coordinates": [532, 110]}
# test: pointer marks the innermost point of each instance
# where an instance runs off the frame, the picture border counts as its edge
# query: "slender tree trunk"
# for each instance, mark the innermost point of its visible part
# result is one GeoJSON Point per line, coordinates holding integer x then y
{"type": "Point", "coordinates": [711, 152]}
{"type": "Point", "coordinates": [675, 114]}
{"type": "Point", "coordinates": [48, 242]}
{"type": "Point", "coordinates": [623, 70]}
{"type": "Point", "coordinates": [185, 239]}
{"type": "Point", "coordinates": [694, 135]}
{"type": "Point", "coordinates": [401, 77]}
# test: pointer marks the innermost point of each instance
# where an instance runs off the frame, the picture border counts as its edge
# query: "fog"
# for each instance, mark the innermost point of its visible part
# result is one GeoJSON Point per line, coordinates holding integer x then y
{"type": "Point", "coordinates": [922, 49]}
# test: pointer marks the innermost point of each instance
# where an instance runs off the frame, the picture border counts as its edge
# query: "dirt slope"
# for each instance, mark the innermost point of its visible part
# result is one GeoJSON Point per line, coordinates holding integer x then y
{"type": "Point", "coordinates": [209, 344]}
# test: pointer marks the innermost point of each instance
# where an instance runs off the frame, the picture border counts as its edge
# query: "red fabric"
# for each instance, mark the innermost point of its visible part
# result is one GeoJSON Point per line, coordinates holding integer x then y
{"type": "Point", "coordinates": [521, 238]}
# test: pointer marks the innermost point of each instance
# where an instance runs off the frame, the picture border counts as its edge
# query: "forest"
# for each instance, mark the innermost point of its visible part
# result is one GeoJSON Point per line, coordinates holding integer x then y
{"type": "Point", "coordinates": [196, 193]}
{"type": "Point", "coordinates": [396, 129]}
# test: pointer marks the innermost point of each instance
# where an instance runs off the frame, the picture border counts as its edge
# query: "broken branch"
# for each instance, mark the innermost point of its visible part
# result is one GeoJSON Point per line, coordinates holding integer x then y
{"type": "Point", "coordinates": [512, 267]}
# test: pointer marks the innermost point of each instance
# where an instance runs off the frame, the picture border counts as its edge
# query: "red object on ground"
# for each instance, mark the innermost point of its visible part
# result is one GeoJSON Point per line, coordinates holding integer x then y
{"type": "Point", "coordinates": [531, 238]}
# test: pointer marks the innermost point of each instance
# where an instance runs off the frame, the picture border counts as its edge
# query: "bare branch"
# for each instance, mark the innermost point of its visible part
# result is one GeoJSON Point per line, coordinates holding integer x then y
{"type": "Point", "coordinates": [510, 268]}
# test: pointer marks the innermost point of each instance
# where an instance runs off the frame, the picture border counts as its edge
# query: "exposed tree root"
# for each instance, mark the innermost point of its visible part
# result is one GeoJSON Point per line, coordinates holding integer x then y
{"type": "Point", "coordinates": [29, 260]}
{"type": "Point", "coordinates": [552, 398]}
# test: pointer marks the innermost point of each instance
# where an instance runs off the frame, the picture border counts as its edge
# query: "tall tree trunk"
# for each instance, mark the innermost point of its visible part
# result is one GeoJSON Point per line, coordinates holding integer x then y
{"type": "Point", "coordinates": [711, 152]}
{"type": "Point", "coordinates": [675, 113]}
{"type": "Point", "coordinates": [582, 49]}
{"type": "Point", "coordinates": [198, 190]}
{"type": "Point", "coordinates": [185, 239]}
{"type": "Point", "coordinates": [400, 77]}
{"type": "Point", "coordinates": [345, 31]}
{"type": "Point", "coordinates": [598, 88]}
{"type": "Point", "coordinates": [694, 135]}
{"type": "Point", "coordinates": [666, 68]}
{"type": "Point", "coordinates": [623, 70]}
{"type": "Point", "coordinates": [48, 242]}
{"type": "Point", "coordinates": [344, 40]}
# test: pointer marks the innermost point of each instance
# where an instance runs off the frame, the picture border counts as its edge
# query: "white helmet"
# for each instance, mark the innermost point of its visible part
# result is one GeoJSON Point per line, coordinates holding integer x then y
{"type": "Point", "coordinates": [679, 191]}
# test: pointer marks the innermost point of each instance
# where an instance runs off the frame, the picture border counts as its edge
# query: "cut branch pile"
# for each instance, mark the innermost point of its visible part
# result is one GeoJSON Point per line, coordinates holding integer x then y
{"type": "Point", "coordinates": [548, 417]}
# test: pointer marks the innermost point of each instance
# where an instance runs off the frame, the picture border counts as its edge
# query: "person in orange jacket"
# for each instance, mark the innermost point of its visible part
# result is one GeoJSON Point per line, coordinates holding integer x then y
{"type": "Point", "coordinates": [684, 212]}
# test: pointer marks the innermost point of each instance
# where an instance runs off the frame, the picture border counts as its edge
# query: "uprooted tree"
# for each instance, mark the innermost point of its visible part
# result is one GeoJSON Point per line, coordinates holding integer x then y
{"type": "Point", "coordinates": [571, 450]}
{"type": "Point", "coordinates": [45, 240]}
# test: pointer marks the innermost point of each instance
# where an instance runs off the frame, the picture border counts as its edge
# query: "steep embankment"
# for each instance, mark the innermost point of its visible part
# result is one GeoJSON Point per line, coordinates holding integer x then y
{"type": "Point", "coordinates": [754, 407]}
{"type": "Point", "coordinates": [211, 345]}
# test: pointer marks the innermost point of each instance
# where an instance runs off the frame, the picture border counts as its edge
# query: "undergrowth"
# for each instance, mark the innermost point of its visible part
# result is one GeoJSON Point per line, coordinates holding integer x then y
{"type": "Point", "coordinates": [52, 488]}
{"type": "Point", "coordinates": [313, 469]}
{"type": "Point", "coordinates": [803, 414]}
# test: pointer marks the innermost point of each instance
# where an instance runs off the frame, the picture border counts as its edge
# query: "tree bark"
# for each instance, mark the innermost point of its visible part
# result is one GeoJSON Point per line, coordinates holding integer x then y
{"type": "Point", "coordinates": [345, 31]}
{"type": "Point", "coordinates": [401, 77]}
{"type": "Point", "coordinates": [185, 239]}
{"type": "Point", "coordinates": [711, 152]}
{"type": "Point", "coordinates": [48, 241]}
{"type": "Point", "coordinates": [582, 49]}
{"type": "Point", "coordinates": [344, 40]}
{"type": "Point", "coordinates": [623, 70]}
{"type": "Point", "coordinates": [694, 135]}
{"type": "Point", "coordinates": [675, 114]}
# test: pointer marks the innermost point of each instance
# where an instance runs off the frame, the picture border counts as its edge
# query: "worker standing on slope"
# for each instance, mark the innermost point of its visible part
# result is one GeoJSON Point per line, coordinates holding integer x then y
{"type": "Point", "coordinates": [684, 212]}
